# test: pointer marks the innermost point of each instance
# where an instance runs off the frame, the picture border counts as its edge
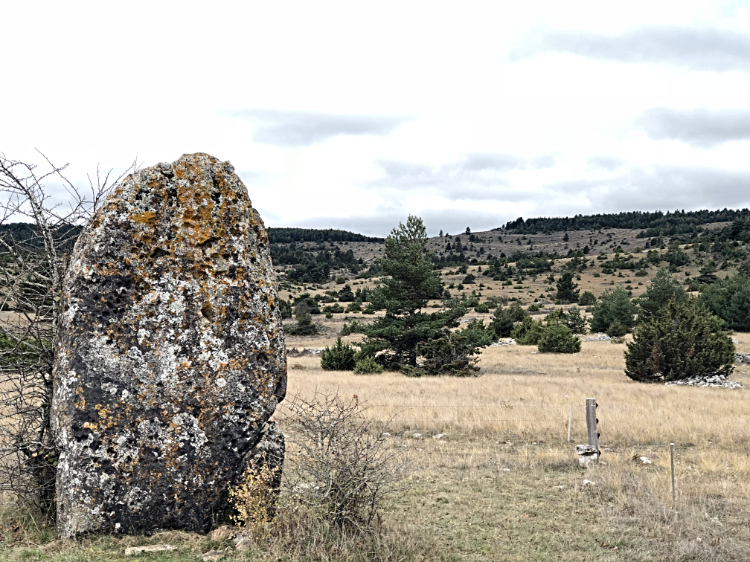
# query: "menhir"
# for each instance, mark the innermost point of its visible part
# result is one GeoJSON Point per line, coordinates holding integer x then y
{"type": "Point", "coordinates": [170, 354]}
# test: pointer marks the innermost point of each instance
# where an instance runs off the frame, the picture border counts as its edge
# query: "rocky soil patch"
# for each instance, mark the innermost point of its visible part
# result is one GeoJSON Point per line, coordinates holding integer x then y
{"type": "Point", "coordinates": [715, 381]}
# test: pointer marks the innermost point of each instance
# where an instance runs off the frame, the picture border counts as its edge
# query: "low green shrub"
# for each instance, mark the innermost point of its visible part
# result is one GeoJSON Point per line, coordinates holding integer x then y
{"type": "Point", "coordinates": [482, 308]}
{"type": "Point", "coordinates": [451, 354]}
{"type": "Point", "coordinates": [367, 366]}
{"type": "Point", "coordinates": [502, 323]}
{"type": "Point", "coordinates": [340, 357]}
{"type": "Point", "coordinates": [353, 327]}
{"type": "Point", "coordinates": [528, 332]}
{"type": "Point", "coordinates": [616, 330]}
{"type": "Point", "coordinates": [557, 338]}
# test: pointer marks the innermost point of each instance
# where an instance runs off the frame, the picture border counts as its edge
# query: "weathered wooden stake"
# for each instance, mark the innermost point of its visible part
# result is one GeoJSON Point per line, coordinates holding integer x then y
{"type": "Point", "coordinates": [570, 420]}
{"type": "Point", "coordinates": [591, 422]}
{"type": "Point", "coordinates": [674, 489]}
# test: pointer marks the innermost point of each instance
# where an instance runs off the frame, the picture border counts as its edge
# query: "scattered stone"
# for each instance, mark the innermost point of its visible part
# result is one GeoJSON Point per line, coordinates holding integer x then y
{"type": "Point", "coordinates": [170, 354]}
{"type": "Point", "coordinates": [742, 358]}
{"type": "Point", "coordinates": [417, 436]}
{"type": "Point", "coordinates": [588, 483]}
{"type": "Point", "coordinates": [715, 381]}
{"type": "Point", "coordinates": [386, 435]}
{"type": "Point", "coordinates": [310, 352]}
{"type": "Point", "coordinates": [588, 455]}
{"type": "Point", "coordinates": [735, 340]}
{"type": "Point", "coordinates": [212, 556]}
{"type": "Point", "coordinates": [644, 460]}
{"type": "Point", "coordinates": [504, 342]}
{"type": "Point", "coordinates": [596, 337]}
{"type": "Point", "coordinates": [133, 550]}
{"type": "Point", "coordinates": [438, 436]}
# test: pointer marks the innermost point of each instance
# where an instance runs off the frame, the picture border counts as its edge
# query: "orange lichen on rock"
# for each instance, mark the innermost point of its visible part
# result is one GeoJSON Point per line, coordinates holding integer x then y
{"type": "Point", "coordinates": [171, 354]}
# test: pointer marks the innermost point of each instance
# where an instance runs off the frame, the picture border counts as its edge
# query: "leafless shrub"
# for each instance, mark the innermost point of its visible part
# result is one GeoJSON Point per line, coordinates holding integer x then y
{"type": "Point", "coordinates": [339, 460]}
{"type": "Point", "coordinates": [36, 239]}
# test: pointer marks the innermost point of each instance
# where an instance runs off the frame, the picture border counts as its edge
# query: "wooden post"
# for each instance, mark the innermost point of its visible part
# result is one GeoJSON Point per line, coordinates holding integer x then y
{"type": "Point", "coordinates": [570, 420]}
{"type": "Point", "coordinates": [591, 422]}
{"type": "Point", "coordinates": [674, 490]}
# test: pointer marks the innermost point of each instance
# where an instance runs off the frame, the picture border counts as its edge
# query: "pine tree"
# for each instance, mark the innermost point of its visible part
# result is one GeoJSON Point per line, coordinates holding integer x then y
{"type": "Point", "coordinates": [567, 289]}
{"type": "Point", "coordinates": [613, 306]}
{"type": "Point", "coordinates": [661, 290]}
{"type": "Point", "coordinates": [346, 294]}
{"type": "Point", "coordinates": [684, 340]}
{"type": "Point", "coordinates": [411, 283]}
{"type": "Point", "coordinates": [729, 299]}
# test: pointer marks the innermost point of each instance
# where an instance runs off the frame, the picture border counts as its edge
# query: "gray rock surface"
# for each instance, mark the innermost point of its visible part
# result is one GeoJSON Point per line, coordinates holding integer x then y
{"type": "Point", "coordinates": [714, 381]}
{"type": "Point", "coordinates": [504, 342]}
{"type": "Point", "coordinates": [596, 337]}
{"type": "Point", "coordinates": [170, 353]}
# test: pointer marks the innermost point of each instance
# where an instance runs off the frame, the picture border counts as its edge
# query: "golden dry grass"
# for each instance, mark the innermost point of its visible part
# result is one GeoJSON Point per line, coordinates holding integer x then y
{"type": "Point", "coordinates": [508, 428]}
{"type": "Point", "coordinates": [503, 482]}
{"type": "Point", "coordinates": [529, 394]}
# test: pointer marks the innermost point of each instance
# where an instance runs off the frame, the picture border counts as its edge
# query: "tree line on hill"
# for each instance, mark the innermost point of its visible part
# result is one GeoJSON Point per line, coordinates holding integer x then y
{"type": "Point", "coordinates": [288, 235]}
{"type": "Point", "coordinates": [655, 223]}
{"type": "Point", "coordinates": [312, 267]}
{"type": "Point", "coordinates": [26, 235]}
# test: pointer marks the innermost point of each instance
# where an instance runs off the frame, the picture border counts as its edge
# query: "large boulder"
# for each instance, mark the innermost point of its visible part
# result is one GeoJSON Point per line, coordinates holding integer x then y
{"type": "Point", "coordinates": [170, 354]}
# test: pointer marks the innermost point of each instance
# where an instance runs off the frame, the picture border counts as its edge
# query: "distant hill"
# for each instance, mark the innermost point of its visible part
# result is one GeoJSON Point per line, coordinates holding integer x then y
{"type": "Point", "coordinates": [289, 235]}
{"type": "Point", "coordinates": [27, 235]}
{"type": "Point", "coordinates": [652, 224]}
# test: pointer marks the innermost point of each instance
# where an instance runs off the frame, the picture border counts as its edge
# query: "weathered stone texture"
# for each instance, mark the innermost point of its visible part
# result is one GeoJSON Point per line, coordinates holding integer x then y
{"type": "Point", "coordinates": [170, 353]}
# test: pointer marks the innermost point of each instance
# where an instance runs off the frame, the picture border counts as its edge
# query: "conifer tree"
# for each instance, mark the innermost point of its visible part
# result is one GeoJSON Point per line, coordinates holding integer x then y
{"type": "Point", "coordinates": [613, 307]}
{"type": "Point", "coordinates": [411, 283]}
{"type": "Point", "coordinates": [729, 299]}
{"type": "Point", "coordinates": [567, 289]}
{"type": "Point", "coordinates": [684, 340]}
{"type": "Point", "coordinates": [663, 288]}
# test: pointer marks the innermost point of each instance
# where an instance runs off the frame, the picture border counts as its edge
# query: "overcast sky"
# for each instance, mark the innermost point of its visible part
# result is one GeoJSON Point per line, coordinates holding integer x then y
{"type": "Point", "coordinates": [353, 115]}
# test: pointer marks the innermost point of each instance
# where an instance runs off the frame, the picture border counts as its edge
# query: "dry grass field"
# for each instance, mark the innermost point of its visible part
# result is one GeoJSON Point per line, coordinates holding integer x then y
{"type": "Point", "coordinates": [503, 483]}
{"type": "Point", "coordinates": [490, 474]}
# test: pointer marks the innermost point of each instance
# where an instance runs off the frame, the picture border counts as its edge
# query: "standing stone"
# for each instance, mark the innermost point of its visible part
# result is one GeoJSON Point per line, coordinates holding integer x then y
{"type": "Point", "coordinates": [170, 354]}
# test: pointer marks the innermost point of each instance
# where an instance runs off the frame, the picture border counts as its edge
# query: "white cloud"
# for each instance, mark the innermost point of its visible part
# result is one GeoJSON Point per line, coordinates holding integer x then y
{"type": "Point", "coordinates": [696, 48]}
{"type": "Point", "coordinates": [488, 110]}
{"type": "Point", "coordinates": [704, 128]}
